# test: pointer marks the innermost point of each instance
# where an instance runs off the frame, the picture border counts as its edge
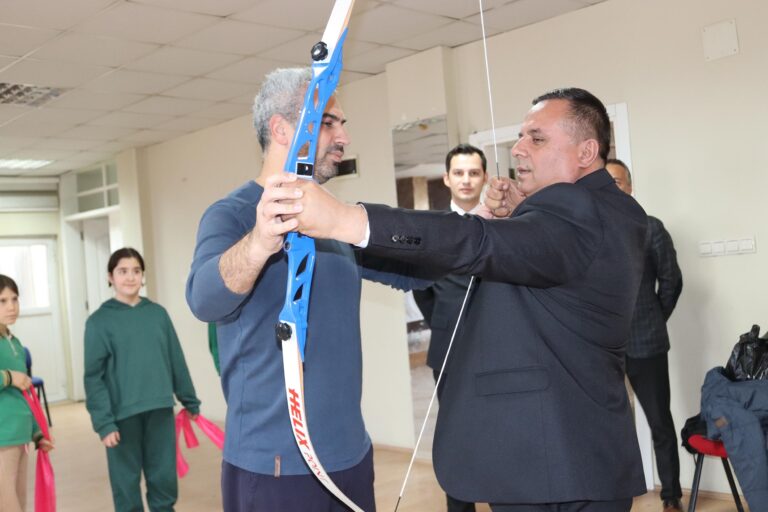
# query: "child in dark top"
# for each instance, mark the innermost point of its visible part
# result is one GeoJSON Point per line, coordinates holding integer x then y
{"type": "Point", "coordinates": [17, 425]}
{"type": "Point", "coordinates": [134, 366]}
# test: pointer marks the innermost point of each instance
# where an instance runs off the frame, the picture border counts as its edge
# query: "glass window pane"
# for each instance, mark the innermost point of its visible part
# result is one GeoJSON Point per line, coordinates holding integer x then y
{"type": "Point", "coordinates": [28, 266]}
{"type": "Point", "coordinates": [111, 173]}
{"type": "Point", "coordinates": [90, 202]}
{"type": "Point", "coordinates": [113, 197]}
{"type": "Point", "coordinates": [90, 180]}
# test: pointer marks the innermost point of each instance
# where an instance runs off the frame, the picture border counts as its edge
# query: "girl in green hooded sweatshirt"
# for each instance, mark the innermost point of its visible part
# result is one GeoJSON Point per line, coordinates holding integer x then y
{"type": "Point", "coordinates": [133, 367]}
{"type": "Point", "coordinates": [17, 425]}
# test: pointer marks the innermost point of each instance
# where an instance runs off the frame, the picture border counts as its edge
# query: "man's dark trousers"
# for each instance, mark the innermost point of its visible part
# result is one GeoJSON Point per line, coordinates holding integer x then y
{"type": "Point", "coordinates": [649, 378]}
{"type": "Point", "coordinates": [454, 505]}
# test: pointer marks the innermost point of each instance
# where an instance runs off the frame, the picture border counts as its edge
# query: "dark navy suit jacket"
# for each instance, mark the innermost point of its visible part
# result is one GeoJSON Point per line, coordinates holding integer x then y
{"type": "Point", "coordinates": [535, 410]}
{"type": "Point", "coordinates": [660, 288]}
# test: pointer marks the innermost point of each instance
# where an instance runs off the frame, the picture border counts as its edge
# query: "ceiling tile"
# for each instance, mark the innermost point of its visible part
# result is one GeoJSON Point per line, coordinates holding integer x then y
{"type": "Point", "coordinates": [62, 116]}
{"type": "Point", "coordinates": [525, 12]}
{"type": "Point", "coordinates": [87, 49]}
{"type": "Point", "coordinates": [136, 82]}
{"type": "Point", "coordinates": [169, 106]}
{"type": "Point", "coordinates": [451, 35]}
{"type": "Point", "coordinates": [18, 129]}
{"type": "Point", "coordinates": [353, 47]}
{"type": "Point", "coordinates": [8, 112]}
{"type": "Point", "coordinates": [207, 89]}
{"type": "Point", "coordinates": [311, 16]}
{"type": "Point", "coordinates": [387, 24]}
{"type": "Point", "coordinates": [182, 61]}
{"type": "Point", "coordinates": [113, 146]}
{"type": "Point", "coordinates": [88, 157]}
{"type": "Point", "coordinates": [186, 124]}
{"type": "Point", "coordinates": [12, 143]}
{"type": "Point", "coordinates": [130, 120]}
{"type": "Point", "coordinates": [146, 23]}
{"type": "Point", "coordinates": [50, 14]}
{"type": "Point", "coordinates": [250, 70]}
{"type": "Point", "coordinates": [374, 61]}
{"type": "Point", "coordinates": [18, 41]}
{"type": "Point", "coordinates": [42, 154]}
{"type": "Point", "coordinates": [66, 144]}
{"type": "Point", "coordinates": [297, 51]}
{"type": "Point", "coordinates": [224, 111]}
{"type": "Point", "coordinates": [81, 98]}
{"type": "Point", "coordinates": [6, 61]}
{"type": "Point", "coordinates": [244, 100]}
{"type": "Point", "coordinates": [50, 73]}
{"type": "Point", "coordinates": [93, 132]}
{"type": "Point", "coordinates": [452, 8]}
{"type": "Point", "coordinates": [151, 136]}
{"type": "Point", "coordinates": [238, 37]}
{"type": "Point", "coordinates": [214, 7]}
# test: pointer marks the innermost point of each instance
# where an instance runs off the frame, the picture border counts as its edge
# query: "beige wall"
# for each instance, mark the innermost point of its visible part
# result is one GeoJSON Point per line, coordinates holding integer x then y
{"type": "Point", "coordinates": [178, 180]}
{"type": "Point", "coordinates": [696, 136]}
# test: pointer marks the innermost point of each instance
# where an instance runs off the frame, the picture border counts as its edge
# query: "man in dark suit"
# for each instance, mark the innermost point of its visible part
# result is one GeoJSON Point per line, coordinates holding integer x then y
{"type": "Point", "coordinates": [465, 175]}
{"type": "Point", "coordinates": [535, 415]}
{"type": "Point", "coordinates": [647, 364]}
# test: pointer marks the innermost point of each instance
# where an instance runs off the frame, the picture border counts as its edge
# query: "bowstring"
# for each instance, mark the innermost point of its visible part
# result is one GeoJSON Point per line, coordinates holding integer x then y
{"type": "Point", "coordinates": [471, 281]}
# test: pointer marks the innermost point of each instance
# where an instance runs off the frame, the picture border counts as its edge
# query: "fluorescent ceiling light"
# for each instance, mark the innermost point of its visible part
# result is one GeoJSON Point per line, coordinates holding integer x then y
{"type": "Point", "coordinates": [23, 164]}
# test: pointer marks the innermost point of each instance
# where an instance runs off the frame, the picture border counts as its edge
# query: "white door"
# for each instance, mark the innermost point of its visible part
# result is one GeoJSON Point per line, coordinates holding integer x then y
{"type": "Point", "coordinates": [96, 251]}
{"type": "Point", "coordinates": [32, 264]}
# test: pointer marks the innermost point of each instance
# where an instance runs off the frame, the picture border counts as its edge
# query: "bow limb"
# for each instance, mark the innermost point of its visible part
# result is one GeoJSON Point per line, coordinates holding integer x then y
{"type": "Point", "coordinates": [292, 327]}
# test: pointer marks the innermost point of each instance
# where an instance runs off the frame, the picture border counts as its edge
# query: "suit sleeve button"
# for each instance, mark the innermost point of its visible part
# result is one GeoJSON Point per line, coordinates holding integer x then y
{"type": "Point", "coordinates": [395, 238]}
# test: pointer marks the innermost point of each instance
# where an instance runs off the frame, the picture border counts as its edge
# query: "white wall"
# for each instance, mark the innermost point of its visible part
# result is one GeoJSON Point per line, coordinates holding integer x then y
{"type": "Point", "coordinates": [697, 135]}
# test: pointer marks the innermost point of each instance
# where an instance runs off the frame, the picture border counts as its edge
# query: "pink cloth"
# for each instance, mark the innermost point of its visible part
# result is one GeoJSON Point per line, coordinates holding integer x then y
{"type": "Point", "coordinates": [45, 484]}
{"type": "Point", "coordinates": [183, 424]}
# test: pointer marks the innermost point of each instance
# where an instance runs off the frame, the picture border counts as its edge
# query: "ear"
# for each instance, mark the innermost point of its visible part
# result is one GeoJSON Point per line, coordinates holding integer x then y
{"type": "Point", "coordinates": [446, 181]}
{"type": "Point", "coordinates": [589, 151]}
{"type": "Point", "coordinates": [279, 130]}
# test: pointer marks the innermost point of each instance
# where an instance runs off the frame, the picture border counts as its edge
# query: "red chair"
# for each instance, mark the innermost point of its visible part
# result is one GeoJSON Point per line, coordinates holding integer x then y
{"type": "Point", "coordinates": [703, 447]}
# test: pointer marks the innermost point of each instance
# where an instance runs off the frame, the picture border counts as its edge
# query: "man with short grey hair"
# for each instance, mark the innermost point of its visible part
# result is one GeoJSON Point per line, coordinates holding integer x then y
{"type": "Point", "coordinates": [238, 280]}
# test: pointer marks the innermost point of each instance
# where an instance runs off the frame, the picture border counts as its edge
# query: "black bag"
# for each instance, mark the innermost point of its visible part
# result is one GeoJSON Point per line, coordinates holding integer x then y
{"type": "Point", "coordinates": [749, 359]}
{"type": "Point", "coordinates": [693, 425]}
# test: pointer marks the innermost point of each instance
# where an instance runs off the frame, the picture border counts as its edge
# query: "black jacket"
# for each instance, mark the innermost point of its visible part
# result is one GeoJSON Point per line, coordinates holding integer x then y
{"type": "Point", "coordinates": [535, 410]}
{"type": "Point", "coordinates": [660, 288]}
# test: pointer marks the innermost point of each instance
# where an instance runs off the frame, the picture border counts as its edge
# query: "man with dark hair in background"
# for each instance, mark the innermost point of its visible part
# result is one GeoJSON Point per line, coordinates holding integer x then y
{"type": "Point", "coordinates": [535, 415]}
{"type": "Point", "coordinates": [465, 175]}
{"type": "Point", "coordinates": [647, 362]}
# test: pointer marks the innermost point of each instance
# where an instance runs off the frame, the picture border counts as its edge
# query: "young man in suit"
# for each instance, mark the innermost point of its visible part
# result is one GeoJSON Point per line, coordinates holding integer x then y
{"type": "Point", "coordinates": [465, 175]}
{"type": "Point", "coordinates": [647, 363]}
{"type": "Point", "coordinates": [535, 415]}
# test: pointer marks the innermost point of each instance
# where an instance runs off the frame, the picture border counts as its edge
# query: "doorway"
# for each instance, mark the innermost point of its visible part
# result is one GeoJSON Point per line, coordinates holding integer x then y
{"type": "Point", "coordinates": [32, 263]}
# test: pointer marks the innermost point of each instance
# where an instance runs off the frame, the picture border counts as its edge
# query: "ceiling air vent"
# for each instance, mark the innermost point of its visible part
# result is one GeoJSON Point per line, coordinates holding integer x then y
{"type": "Point", "coordinates": [29, 95]}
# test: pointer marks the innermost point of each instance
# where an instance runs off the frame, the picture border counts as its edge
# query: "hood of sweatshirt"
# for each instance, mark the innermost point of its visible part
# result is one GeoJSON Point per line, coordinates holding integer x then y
{"type": "Point", "coordinates": [116, 304]}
